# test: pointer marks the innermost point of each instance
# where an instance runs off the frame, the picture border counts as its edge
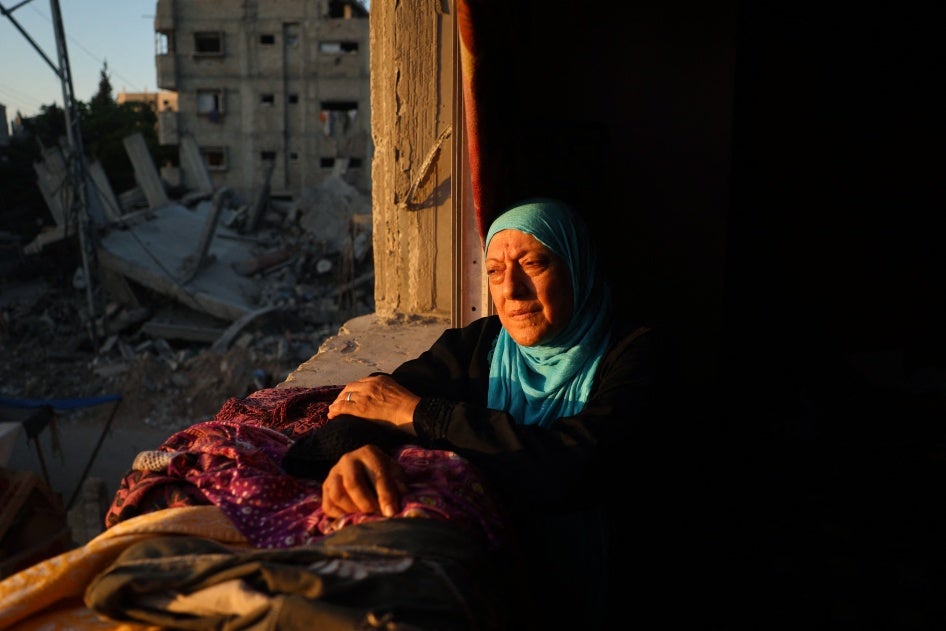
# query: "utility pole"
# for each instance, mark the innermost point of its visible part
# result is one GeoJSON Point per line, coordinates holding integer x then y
{"type": "Point", "coordinates": [77, 175]}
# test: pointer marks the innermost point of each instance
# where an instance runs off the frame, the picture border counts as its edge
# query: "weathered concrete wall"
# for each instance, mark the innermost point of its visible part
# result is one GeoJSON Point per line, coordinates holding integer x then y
{"type": "Point", "coordinates": [412, 109]}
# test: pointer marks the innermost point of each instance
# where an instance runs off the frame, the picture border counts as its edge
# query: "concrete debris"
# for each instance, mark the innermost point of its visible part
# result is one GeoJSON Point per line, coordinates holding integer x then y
{"type": "Point", "coordinates": [329, 212]}
{"type": "Point", "coordinates": [197, 298]}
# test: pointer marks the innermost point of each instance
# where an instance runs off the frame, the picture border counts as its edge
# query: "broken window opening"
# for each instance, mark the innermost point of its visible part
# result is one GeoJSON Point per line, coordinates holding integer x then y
{"type": "Point", "coordinates": [163, 42]}
{"type": "Point", "coordinates": [337, 9]}
{"type": "Point", "coordinates": [338, 47]}
{"type": "Point", "coordinates": [215, 158]}
{"type": "Point", "coordinates": [293, 156]}
{"type": "Point", "coordinates": [346, 9]}
{"type": "Point", "coordinates": [208, 43]}
{"type": "Point", "coordinates": [210, 104]}
{"type": "Point", "coordinates": [267, 39]}
{"type": "Point", "coordinates": [267, 156]}
{"type": "Point", "coordinates": [268, 99]}
{"type": "Point", "coordinates": [328, 163]}
{"type": "Point", "coordinates": [293, 98]}
{"type": "Point", "coordinates": [291, 33]}
{"type": "Point", "coordinates": [337, 116]}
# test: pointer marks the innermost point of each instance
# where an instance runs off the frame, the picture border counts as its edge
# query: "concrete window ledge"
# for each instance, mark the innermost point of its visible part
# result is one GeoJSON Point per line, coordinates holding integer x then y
{"type": "Point", "coordinates": [367, 344]}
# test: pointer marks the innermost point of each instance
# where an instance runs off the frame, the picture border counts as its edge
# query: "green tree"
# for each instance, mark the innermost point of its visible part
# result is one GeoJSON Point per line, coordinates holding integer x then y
{"type": "Point", "coordinates": [22, 208]}
{"type": "Point", "coordinates": [104, 95]}
{"type": "Point", "coordinates": [47, 127]}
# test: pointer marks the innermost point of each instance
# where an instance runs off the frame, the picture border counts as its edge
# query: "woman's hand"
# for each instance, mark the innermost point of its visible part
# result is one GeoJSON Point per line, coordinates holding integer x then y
{"type": "Point", "coordinates": [378, 398]}
{"type": "Point", "coordinates": [365, 480]}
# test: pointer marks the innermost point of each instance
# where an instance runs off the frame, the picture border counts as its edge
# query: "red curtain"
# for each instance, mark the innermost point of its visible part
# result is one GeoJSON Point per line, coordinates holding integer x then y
{"type": "Point", "coordinates": [485, 61]}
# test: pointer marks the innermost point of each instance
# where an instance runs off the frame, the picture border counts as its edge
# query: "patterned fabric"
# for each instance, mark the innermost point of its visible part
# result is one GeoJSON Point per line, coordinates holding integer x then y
{"type": "Point", "coordinates": [233, 461]}
{"type": "Point", "coordinates": [153, 460]}
{"type": "Point", "coordinates": [291, 412]}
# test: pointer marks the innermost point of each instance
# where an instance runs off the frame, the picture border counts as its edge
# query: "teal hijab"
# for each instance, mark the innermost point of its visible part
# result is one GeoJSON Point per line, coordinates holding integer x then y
{"type": "Point", "coordinates": [538, 384]}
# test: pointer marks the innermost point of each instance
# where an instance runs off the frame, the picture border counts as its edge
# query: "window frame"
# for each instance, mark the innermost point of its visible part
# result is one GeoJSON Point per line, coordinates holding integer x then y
{"type": "Point", "coordinates": [206, 36]}
{"type": "Point", "coordinates": [207, 151]}
{"type": "Point", "coordinates": [219, 98]}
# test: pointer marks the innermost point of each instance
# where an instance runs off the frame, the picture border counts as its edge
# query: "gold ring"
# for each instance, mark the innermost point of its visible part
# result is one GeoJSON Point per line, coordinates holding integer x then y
{"type": "Point", "coordinates": [348, 398]}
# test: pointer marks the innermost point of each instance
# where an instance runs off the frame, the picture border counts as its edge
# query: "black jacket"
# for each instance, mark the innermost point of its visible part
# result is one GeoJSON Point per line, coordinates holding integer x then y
{"type": "Point", "coordinates": [554, 468]}
{"type": "Point", "coordinates": [578, 492]}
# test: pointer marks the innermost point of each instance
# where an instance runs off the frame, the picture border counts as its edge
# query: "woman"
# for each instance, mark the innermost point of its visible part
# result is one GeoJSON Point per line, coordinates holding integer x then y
{"type": "Point", "coordinates": [545, 397]}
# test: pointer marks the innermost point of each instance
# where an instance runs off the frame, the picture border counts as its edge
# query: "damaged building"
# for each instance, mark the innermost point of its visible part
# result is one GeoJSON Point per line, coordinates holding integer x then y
{"type": "Point", "coordinates": [268, 109]}
{"type": "Point", "coordinates": [274, 95]}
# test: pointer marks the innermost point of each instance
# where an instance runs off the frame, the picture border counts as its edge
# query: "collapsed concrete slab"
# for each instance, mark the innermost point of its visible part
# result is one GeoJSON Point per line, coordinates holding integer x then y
{"type": "Point", "coordinates": [158, 253]}
{"type": "Point", "coordinates": [211, 257]}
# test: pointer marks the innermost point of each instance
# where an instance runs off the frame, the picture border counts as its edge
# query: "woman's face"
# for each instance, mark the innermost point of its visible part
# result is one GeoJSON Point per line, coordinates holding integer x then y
{"type": "Point", "coordinates": [530, 285]}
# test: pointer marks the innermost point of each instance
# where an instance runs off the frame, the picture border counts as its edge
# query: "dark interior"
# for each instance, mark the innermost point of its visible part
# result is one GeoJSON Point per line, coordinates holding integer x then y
{"type": "Point", "coordinates": [767, 181]}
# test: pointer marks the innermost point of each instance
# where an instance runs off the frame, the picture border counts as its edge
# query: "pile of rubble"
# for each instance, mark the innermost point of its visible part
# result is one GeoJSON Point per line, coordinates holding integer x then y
{"type": "Point", "coordinates": [172, 363]}
{"type": "Point", "coordinates": [164, 382]}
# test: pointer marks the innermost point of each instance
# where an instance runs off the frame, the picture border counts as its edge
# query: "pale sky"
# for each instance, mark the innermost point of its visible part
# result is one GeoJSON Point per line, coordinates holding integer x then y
{"type": "Point", "coordinates": [119, 32]}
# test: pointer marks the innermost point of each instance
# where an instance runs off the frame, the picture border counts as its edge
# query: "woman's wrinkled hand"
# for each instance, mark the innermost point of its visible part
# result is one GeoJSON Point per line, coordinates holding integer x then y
{"type": "Point", "coordinates": [365, 480]}
{"type": "Point", "coordinates": [379, 398]}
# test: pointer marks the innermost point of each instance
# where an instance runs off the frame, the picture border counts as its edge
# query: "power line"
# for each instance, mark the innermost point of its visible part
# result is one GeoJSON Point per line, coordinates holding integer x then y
{"type": "Point", "coordinates": [100, 61]}
{"type": "Point", "coordinates": [19, 96]}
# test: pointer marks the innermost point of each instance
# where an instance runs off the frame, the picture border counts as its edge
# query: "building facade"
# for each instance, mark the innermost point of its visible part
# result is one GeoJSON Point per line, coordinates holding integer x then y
{"type": "Point", "coordinates": [157, 101]}
{"type": "Point", "coordinates": [275, 94]}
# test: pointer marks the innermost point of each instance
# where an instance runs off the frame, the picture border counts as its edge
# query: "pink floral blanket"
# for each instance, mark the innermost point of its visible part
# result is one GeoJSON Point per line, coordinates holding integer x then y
{"type": "Point", "coordinates": [234, 461]}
